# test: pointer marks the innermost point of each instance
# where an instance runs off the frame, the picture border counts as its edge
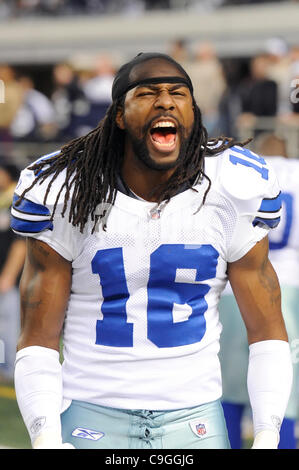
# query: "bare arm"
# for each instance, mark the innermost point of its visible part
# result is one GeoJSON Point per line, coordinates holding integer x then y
{"type": "Point", "coordinates": [44, 289]}
{"type": "Point", "coordinates": [257, 291]}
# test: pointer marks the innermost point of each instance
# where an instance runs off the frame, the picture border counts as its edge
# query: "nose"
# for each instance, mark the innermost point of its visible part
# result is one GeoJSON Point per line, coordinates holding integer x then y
{"type": "Point", "coordinates": [164, 101]}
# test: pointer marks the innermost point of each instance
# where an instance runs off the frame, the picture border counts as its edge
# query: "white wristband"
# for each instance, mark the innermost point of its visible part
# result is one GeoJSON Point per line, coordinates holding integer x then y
{"type": "Point", "coordinates": [269, 383]}
{"type": "Point", "coordinates": [38, 385]}
{"type": "Point", "coordinates": [50, 439]}
{"type": "Point", "coordinates": [266, 439]}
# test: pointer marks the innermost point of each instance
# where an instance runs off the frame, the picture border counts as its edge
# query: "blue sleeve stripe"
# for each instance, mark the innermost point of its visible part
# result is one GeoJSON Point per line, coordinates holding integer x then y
{"type": "Point", "coordinates": [48, 156]}
{"type": "Point", "coordinates": [272, 223]}
{"type": "Point", "coordinates": [43, 158]}
{"type": "Point", "coordinates": [29, 207]}
{"type": "Point", "coordinates": [271, 205]}
{"type": "Point", "coordinates": [26, 226]}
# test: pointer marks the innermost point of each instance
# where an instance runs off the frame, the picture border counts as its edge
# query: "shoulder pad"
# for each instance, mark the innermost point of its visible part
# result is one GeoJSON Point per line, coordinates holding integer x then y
{"type": "Point", "coordinates": [249, 182]}
{"type": "Point", "coordinates": [31, 214]}
{"type": "Point", "coordinates": [38, 191]}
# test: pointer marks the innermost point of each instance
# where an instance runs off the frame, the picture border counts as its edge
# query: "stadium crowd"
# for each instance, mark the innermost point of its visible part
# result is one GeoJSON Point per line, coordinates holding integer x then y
{"type": "Point", "coordinates": [79, 93]}
{"type": "Point", "coordinates": [23, 8]}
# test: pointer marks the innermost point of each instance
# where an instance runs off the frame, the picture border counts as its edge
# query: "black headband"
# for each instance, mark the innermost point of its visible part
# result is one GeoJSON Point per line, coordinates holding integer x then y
{"type": "Point", "coordinates": [154, 80]}
{"type": "Point", "coordinates": [122, 82]}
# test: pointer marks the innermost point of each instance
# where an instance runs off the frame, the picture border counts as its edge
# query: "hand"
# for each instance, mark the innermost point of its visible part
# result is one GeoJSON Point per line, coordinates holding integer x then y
{"type": "Point", "coordinates": [266, 439]}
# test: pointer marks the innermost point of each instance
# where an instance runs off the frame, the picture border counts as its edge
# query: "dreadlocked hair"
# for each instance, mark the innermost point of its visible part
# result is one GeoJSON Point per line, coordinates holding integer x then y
{"type": "Point", "coordinates": [92, 163]}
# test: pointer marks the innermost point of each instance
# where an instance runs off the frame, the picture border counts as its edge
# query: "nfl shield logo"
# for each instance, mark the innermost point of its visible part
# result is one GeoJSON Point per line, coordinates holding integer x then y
{"type": "Point", "coordinates": [155, 214]}
{"type": "Point", "coordinates": [200, 429]}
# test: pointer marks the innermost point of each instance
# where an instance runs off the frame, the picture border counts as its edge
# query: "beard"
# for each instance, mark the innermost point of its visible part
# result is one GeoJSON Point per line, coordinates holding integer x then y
{"type": "Point", "coordinates": [143, 155]}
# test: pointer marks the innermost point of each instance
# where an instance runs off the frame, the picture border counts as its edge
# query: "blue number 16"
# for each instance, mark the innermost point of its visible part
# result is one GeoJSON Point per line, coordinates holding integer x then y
{"type": "Point", "coordinates": [163, 292]}
{"type": "Point", "coordinates": [264, 172]}
{"type": "Point", "coordinates": [284, 230]}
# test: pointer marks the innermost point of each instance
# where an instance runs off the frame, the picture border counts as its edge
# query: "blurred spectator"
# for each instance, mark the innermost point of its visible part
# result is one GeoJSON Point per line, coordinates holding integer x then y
{"type": "Point", "coordinates": [5, 10]}
{"type": "Point", "coordinates": [35, 118]}
{"type": "Point", "coordinates": [229, 110]}
{"type": "Point", "coordinates": [19, 8]}
{"type": "Point", "coordinates": [179, 51]}
{"type": "Point", "coordinates": [86, 6]}
{"type": "Point", "coordinates": [98, 89]}
{"type": "Point", "coordinates": [82, 93]}
{"type": "Point", "coordinates": [12, 255]}
{"type": "Point", "coordinates": [69, 101]}
{"type": "Point", "coordinates": [32, 7]}
{"type": "Point", "coordinates": [294, 53]}
{"type": "Point", "coordinates": [279, 64]}
{"type": "Point", "coordinates": [258, 94]}
{"type": "Point", "coordinates": [13, 100]}
{"type": "Point", "coordinates": [209, 84]}
{"type": "Point", "coordinates": [51, 7]}
{"type": "Point", "coordinates": [157, 4]}
{"type": "Point", "coordinates": [268, 144]}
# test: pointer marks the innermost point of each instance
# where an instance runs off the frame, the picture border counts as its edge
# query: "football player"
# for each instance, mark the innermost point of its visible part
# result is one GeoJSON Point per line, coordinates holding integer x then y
{"type": "Point", "coordinates": [132, 233]}
{"type": "Point", "coordinates": [284, 255]}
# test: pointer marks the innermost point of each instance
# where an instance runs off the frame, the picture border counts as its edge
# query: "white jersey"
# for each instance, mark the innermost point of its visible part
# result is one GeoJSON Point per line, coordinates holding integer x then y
{"type": "Point", "coordinates": [142, 328]}
{"type": "Point", "coordinates": [284, 240]}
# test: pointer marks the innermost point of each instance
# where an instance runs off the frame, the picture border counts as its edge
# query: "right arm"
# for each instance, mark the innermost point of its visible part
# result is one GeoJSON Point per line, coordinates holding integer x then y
{"type": "Point", "coordinates": [45, 289]}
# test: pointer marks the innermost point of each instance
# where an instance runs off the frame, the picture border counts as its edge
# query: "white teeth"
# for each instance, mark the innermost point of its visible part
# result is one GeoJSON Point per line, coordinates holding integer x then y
{"type": "Point", "coordinates": [165, 145]}
{"type": "Point", "coordinates": [164, 124]}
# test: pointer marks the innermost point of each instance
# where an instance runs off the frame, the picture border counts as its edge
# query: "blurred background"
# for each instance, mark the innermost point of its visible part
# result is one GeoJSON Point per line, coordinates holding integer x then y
{"type": "Point", "coordinates": [58, 59]}
{"type": "Point", "coordinates": [57, 63]}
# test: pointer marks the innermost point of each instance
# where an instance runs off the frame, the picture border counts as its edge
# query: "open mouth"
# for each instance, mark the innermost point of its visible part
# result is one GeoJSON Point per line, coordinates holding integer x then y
{"type": "Point", "coordinates": [163, 135]}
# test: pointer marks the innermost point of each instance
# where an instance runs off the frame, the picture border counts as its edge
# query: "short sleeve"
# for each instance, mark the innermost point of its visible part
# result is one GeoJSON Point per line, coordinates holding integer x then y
{"type": "Point", "coordinates": [251, 186]}
{"type": "Point", "coordinates": [31, 217]}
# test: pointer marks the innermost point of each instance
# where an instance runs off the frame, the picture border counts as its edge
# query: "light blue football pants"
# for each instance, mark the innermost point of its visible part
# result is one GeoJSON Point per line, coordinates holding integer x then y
{"type": "Point", "coordinates": [89, 426]}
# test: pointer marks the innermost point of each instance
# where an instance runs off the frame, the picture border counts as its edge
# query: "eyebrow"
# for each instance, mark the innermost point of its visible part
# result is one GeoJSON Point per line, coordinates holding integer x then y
{"type": "Point", "coordinates": [156, 87]}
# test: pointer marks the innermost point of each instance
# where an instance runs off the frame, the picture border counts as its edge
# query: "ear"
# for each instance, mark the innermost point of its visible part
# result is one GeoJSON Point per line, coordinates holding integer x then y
{"type": "Point", "coordinates": [120, 118]}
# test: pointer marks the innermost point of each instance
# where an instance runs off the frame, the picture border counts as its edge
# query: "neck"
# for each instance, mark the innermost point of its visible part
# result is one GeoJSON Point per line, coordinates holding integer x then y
{"type": "Point", "coordinates": [141, 179]}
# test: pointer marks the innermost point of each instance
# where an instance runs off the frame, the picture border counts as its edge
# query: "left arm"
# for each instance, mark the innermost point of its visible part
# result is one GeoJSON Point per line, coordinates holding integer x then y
{"type": "Point", "coordinates": [269, 380]}
{"type": "Point", "coordinates": [257, 291]}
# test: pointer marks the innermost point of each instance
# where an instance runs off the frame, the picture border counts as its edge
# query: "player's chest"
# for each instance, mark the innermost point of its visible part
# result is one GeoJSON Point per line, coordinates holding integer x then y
{"type": "Point", "coordinates": [157, 249]}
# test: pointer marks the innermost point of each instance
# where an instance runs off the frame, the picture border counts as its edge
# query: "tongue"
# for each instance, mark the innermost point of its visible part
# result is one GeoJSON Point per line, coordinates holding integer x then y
{"type": "Point", "coordinates": [163, 138]}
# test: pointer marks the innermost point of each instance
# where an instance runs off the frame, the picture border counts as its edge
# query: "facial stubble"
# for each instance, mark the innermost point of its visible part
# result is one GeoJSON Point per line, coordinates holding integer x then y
{"type": "Point", "coordinates": [142, 153]}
